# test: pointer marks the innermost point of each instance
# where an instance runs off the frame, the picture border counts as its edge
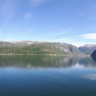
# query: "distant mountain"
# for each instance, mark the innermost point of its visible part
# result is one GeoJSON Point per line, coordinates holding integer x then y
{"type": "Point", "coordinates": [93, 55]}
{"type": "Point", "coordinates": [3, 44]}
{"type": "Point", "coordinates": [30, 47]}
{"type": "Point", "coordinates": [87, 49]}
{"type": "Point", "coordinates": [25, 43]}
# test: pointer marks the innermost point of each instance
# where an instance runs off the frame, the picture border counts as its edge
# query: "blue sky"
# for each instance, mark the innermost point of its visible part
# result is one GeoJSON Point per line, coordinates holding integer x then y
{"type": "Point", "coordinates": [69, 21]}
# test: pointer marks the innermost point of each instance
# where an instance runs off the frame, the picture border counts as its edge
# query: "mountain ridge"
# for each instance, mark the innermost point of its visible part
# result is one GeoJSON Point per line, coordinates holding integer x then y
{"type": "Point", "coordinates": [35, 47]}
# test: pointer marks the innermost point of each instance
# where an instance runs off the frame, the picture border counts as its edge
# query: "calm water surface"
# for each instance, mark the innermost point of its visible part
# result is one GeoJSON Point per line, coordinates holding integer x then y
{"type": "Point", "coordinates": [47, 76]}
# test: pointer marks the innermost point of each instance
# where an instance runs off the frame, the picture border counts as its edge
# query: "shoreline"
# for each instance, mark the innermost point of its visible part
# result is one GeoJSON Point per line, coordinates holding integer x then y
{"type": "Point", "coordinates": [72, 55]}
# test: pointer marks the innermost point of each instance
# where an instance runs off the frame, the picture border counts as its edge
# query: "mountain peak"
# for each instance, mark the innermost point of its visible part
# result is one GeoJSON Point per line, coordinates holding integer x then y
{"type": "Point", "coordinates": [90, 45]}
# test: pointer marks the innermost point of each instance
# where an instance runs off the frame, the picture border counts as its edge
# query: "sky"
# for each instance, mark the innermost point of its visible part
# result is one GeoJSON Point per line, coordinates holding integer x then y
{"type": "Point", "coordinates": [66, 21]}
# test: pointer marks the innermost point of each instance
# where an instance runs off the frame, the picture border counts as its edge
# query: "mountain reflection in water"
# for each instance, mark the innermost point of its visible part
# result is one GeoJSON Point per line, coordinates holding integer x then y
{"type": "Point", "coordinates": [45, 61]}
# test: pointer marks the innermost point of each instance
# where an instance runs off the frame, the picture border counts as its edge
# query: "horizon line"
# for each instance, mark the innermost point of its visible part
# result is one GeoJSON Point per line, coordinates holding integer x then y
{"type": "Point", "coordinates": [45, 41]}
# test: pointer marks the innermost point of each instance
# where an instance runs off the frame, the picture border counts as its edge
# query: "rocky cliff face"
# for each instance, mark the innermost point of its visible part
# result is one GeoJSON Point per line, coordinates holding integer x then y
{"type": "Point", "coordinates": [69, 48]}
{"type": "Point", "coordinates": [93, 55]}
{"type": "Point", "coordinates": [87, 49]}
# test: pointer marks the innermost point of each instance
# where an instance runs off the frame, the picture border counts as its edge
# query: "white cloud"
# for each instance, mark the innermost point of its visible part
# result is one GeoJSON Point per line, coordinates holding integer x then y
{"type": "Point", "coordinates": [78, 43]}
{"type": "Point", "coordinates": [89, 36]}
{"type": "Point", "coordinates": [36, 2]}
{"type": "Point", "coordinates": [8, 8]}
{"type": "Point", "coordinates": [28, 15]}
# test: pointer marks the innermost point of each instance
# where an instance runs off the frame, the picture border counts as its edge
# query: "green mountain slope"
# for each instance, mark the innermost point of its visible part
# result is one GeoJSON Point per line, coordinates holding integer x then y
{"type": "Point", "coordinates": [38, 48]}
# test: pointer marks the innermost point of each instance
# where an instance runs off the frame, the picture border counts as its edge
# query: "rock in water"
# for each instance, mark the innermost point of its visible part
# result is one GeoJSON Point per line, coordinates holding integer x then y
{"type": "Point", "coordinates": [93, 55]}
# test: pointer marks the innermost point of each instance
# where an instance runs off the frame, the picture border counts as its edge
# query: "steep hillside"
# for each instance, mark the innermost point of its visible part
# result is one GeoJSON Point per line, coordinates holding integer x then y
{"type": "Point", "coordinates": [87, 49]}
{"type": "Point", "coordinates": [93, 55]}
{"type": "Point", "coordinates": [44, 48]}
{"type": "Point", "coordinates": [73, 50]}
{"type": "Point", "coordinates": [27, 47]}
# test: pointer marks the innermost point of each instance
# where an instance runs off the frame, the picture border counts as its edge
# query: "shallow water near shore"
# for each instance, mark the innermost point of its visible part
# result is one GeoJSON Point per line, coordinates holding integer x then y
{"type": "Point", "coordinates": [47, 76]}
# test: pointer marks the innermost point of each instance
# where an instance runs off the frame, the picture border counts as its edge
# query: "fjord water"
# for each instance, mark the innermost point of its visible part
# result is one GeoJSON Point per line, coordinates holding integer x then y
{"type": "Point", "coordinates": [47, 76]}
